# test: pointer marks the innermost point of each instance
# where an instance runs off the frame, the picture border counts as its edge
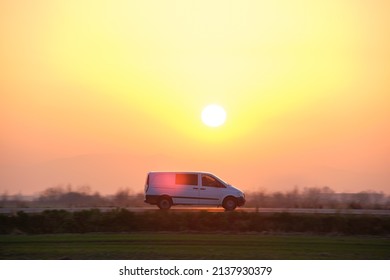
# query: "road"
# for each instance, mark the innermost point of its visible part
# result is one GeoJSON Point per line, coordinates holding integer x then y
{"type": "Point", "coordinates": [14, 210]}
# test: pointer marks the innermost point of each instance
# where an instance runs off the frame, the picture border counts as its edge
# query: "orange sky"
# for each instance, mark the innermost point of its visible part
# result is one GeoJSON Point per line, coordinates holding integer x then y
{"type": "Point", "coordinates": [101, 92]}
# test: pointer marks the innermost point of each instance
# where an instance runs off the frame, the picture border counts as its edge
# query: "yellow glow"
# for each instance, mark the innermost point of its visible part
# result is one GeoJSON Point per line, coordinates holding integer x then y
{"type": "Point", "coordinates": [213, 115]}
{"type": "Point", "coordinates": [300, 80]}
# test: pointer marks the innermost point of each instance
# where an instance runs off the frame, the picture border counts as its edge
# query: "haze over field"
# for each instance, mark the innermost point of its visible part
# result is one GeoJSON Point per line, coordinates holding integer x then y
{"type": "Point", "coordinates": [101, 92]}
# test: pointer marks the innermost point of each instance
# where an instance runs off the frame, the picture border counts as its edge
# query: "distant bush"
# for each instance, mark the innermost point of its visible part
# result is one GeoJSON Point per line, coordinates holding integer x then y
{"type": "Point", "coordinates": [315, 197]}
{"type": "Point", "coordinates": [122, 220]}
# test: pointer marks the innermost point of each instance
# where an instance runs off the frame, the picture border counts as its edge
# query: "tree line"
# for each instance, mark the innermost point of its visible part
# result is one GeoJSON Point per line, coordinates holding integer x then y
{"type": "Point", "coordinates": [308, 197]}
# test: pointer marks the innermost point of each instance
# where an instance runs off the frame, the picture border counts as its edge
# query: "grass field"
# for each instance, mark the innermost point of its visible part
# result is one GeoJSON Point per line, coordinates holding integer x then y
{"type": "Point", "coordinates": [192, 246]}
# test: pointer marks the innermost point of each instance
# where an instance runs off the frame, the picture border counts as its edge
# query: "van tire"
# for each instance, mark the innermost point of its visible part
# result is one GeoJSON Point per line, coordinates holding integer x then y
{"type": "Point", "coordinates": [164, 203]}
{"type": "Point", "coordinates": [229, 203]}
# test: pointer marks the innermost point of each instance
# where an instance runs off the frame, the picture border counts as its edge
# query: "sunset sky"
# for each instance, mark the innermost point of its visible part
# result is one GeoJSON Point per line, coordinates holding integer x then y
{"type": "Point", "coordinates": [101, 92]}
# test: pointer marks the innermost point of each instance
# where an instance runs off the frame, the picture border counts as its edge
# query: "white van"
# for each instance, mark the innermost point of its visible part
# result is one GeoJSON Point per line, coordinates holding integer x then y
{"type": "Point", "coordinates": [165, 189]}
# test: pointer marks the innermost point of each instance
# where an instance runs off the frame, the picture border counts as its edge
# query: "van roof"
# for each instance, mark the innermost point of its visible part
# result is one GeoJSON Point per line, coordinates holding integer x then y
{"type": "Point", "coordinates": [186, 172]}
{"type": "Point", "coordinates": [191, 172]}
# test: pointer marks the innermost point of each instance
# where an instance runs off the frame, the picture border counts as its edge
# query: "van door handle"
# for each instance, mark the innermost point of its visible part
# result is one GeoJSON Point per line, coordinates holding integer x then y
{"type": "Point", "coordinates": [202, 188]}
{"type": "Point", "coordinates": [195, 188]}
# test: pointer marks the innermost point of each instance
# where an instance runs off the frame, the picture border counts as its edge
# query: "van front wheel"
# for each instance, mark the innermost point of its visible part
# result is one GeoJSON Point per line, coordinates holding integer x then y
{"type": "Point", "coordinates": [229, 204]}
{"type": "Point", "coordinates": [164, 203]}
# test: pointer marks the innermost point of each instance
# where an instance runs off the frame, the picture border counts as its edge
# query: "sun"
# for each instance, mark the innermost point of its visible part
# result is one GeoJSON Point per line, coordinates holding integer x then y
{"type": "Point", "coordinates": [213, 115]}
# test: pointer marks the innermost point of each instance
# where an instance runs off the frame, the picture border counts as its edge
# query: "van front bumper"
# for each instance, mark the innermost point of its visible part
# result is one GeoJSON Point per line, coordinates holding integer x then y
{"type": "Point", "coordinates": [240, 201]}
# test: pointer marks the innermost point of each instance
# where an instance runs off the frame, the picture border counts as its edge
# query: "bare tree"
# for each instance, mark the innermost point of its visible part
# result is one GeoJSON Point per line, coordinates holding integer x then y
{"type": "Point", "coordinates": [4, 199]}
{"type": "Point", "coordinates": [122, 198]}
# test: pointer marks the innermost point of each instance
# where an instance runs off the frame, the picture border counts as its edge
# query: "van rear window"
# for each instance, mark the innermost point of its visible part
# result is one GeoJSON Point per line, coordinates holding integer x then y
{"type": "Point", "coordinates": [187, 179]}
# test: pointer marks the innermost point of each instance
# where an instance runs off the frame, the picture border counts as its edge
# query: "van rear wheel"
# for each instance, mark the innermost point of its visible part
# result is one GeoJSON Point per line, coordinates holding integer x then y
{"type": "Point", "coordinates": [164, 203]}
{"type": "Point", "coordinates": [229, 204]}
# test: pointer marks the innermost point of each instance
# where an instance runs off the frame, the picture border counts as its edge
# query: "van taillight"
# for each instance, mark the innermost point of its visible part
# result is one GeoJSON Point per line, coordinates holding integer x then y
{"type": "Point", "coordinates": [147, 183]}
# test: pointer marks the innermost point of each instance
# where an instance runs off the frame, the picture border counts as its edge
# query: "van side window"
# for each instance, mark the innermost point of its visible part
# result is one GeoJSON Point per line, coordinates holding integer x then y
{"type": "Point", "coordinates": [186, 179]}
{"type": "Point", "coordinates": [210, 181]}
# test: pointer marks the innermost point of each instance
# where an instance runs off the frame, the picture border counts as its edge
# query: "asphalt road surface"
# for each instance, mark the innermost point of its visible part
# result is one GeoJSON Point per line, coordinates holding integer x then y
{"type": "Point", "coordinates": [14, 210]}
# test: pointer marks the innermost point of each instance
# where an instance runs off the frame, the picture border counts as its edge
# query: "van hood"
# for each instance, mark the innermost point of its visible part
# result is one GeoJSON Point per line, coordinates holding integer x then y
{"type": "Point", "coordinates": [237, 192]}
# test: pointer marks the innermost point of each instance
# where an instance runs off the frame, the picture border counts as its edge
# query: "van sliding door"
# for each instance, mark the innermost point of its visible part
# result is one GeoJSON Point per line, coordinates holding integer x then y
{"type": "Point", "coordinates": [186, 189]}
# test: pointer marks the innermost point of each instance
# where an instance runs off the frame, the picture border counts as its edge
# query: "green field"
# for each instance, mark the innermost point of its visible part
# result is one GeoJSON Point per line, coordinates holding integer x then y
{"type": "Point", "coordinates": [192, 246]}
